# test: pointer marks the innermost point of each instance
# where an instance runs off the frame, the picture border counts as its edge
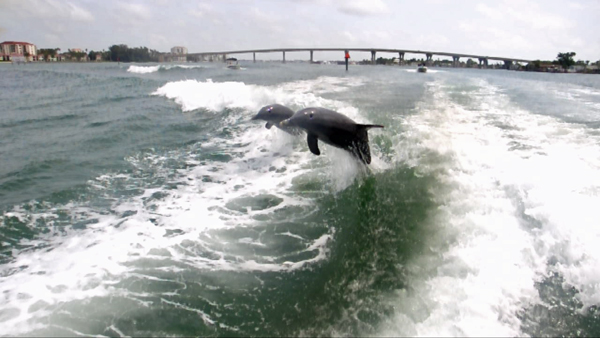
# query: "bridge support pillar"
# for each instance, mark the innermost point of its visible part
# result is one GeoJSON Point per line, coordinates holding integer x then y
{"type": "Point", "coordinates": [311, 57]}
{"type": "Point", "coordinates": [224, 57]}
{"type": "Point", "coordinates": [456, 61]}
{"type": "Point", "coordinates": [373, 55]}
{"type": "Point", "coordinates": [283, 57]}
{"type": "Point", "coordinates": [429, 59]}
{"type": "Point", "coordinates": [483, 62]}
{"type": "Point", "coordinates": [254, 57]}
{"type": "Point", "coordinates": [400, 59]}
{"type": "Point", "coordinates": [507, 64]}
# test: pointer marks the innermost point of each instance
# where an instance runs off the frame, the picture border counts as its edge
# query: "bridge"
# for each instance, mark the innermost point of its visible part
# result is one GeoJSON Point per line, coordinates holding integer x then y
{"type": "Point", "coordinates": [483, 60]}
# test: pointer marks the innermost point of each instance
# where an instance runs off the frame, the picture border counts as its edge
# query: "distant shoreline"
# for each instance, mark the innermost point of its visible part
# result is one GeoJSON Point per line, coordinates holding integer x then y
{"type": "Point", "coordinates": [595, 72]}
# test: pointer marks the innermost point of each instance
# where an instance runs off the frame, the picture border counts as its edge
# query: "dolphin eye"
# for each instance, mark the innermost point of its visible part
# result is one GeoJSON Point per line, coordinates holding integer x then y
{"type": "Point", "coordinates": [269, 109]}
{"type": "Point", "coordinates": [311, 115]}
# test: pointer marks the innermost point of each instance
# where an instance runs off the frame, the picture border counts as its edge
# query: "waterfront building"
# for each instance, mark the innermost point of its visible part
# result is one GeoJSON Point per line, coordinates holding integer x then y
{"type": "Point", "coordinates": [179, 53]}
{"type": "Point", "coordinates": [84, 58]}
{"type": "Point", "coordinates": [576, 68]}
{"type": "Point", "coordinates": [10, 49]}
{"type": "Point", "coordinates": [179, 50]}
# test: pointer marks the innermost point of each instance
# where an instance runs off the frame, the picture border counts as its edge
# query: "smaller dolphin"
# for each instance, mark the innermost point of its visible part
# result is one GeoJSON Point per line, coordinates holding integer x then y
{"type": "Point", "coordinates": [274, 114]}
{"type": "Point", "coordinates": [333, 128]}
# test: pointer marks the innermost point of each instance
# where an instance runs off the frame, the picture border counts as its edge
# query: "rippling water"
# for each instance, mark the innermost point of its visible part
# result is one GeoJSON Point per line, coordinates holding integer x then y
{"type": "Point", "coordinates": [141, 200]}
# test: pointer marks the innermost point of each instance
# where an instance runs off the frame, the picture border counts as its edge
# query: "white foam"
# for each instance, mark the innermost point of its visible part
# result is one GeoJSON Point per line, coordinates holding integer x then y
{"type": "Point", "coordinates": [153, 69]}
{"type": "Point", "coordinates": [215, 96]}
{"type": "Point", "coordinates": [143, 69]}
{"type": "Point", "coordinates": [520, 191]}
{"type": "Point", "coordinates": [193, 94]}
{"type": "Point", "coordinates": [82, 264]}
{"type": "Point", "coordinates": [324, 84]}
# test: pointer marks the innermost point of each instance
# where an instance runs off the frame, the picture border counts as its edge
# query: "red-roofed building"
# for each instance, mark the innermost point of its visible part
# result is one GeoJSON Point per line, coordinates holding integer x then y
{"type": "Point", "coordinates": [9, 49]}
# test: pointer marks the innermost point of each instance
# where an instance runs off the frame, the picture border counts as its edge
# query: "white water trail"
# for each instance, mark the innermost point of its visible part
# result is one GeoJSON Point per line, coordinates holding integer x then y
{"type": "Point", "coordinates": [519, 192]}
{"type": "Point", "coordinates": [154, 69]}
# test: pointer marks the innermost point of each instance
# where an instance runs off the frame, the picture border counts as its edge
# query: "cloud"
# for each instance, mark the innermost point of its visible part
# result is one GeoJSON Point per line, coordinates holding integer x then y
{"type": "Point", "coordinates": [47, 9]}
{"type": "Point", "coordinates": [52, 40]}
{"type": "Point", "coordinates": [349, 37]}
{"type": "Point", "coordinates": [434, 41]}
{"type": "Point", "coordinates": [209, 14]}
{"type": "Point", "coordinates": [78, 13]}
{"type": "Point", "coordinates": [521, 15]}
{"type": "Point", "coordinates": [203, 10]}
{"type": "Point", "coordinates": [497, 40]}
{"type": "Point", "coordinates": [364, 7]}
{"type": "Point", "coordinates": [490, 12]}
{"type": "Point", "coordinates": [261, 17]}
{"type": "Point", "coordinates": [576, 5]}
{"type": "Point", "coordinates": [264, 22]}
{"type": "Point", "coordinates": [139, 11]}
{"type": "Point", "coordinates": [158, 39]}
{"type": "Point", "coordinates": [518, 28]}
{"type": "Point", "coordinates": [525, 29]}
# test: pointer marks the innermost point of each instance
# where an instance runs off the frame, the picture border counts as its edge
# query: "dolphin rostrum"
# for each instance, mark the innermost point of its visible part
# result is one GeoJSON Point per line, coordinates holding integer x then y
{"type": "Point", "coordinates": [274, 114]}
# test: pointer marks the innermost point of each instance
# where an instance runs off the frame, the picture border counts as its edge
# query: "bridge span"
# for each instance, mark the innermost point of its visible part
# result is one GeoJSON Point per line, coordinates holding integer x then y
{"type": "Point", "coordinates": [483, 59]}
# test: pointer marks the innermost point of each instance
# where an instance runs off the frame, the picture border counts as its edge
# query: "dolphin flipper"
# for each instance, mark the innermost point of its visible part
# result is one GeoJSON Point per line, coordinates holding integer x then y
{"type": "Point", "coordinates": [313, 143]}
{"type": "Point", "coordinates": [268, 125]}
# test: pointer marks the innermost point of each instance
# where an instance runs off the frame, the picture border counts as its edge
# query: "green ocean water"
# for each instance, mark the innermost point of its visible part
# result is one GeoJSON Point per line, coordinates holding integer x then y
{"type": "Point", "coordinates": [140, 200]}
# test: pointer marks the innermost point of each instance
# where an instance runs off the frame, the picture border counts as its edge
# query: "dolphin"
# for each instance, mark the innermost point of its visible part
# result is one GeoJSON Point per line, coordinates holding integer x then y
{"type": "Point", "coordinates": [333, 128]}
{"type": "Point", "coordinates": [274, 114]}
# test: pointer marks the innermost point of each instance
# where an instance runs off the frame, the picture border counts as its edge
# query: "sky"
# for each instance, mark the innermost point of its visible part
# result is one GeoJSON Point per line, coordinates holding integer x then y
{"type": "Point", "coordinates": [524, 29]}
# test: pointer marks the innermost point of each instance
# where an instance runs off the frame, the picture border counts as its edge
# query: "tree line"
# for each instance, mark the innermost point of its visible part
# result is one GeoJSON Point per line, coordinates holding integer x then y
{"type": "Point", "coordinates": [563, 60]}
{"type": "Point", "coordinates": [120, 53]}
{"type": "Point", "coordinates": [50, 53]}
{"type": "Point", "coordinates": [125, 54]}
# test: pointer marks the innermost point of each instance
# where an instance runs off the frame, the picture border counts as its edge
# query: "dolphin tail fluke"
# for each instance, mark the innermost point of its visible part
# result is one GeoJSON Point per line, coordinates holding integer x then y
{"type": "Point", "coordinates": [362, 149]}
{"type": "Point", "coordinates": [363, 152]}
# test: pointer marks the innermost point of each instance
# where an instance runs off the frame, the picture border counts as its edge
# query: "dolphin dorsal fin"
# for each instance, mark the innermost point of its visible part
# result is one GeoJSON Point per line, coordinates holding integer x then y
{"type": "Point", "coordinates": [369, 126]}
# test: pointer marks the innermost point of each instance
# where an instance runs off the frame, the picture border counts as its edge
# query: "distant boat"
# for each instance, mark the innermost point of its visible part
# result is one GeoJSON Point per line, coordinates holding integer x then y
{"type": "Point", "coordinates": [232, 63]}
{"type": "Point", "coordinates": [422, 69]}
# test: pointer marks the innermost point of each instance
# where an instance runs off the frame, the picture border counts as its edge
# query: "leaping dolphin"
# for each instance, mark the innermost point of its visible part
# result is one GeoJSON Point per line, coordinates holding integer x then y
{"type": "Point", "coordinates": [333, 128]}
{"type": "Point", "coordinates": [274, 114]}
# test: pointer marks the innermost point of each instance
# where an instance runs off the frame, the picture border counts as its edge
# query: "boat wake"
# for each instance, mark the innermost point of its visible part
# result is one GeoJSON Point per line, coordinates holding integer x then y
{"type": "Point", "coordinates": [159, 68]}
{"type": "Point", "coordinates": [216, 209]}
